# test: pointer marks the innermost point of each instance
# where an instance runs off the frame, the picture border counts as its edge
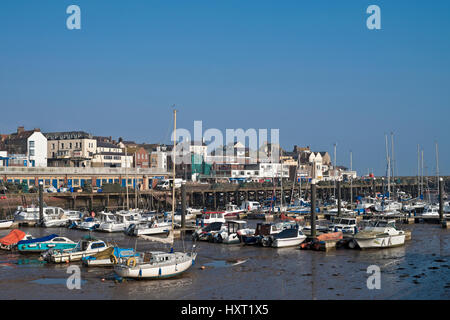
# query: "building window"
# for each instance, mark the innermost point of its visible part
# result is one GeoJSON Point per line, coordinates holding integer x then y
{"type": "Point", "coordinates": [70, 145]}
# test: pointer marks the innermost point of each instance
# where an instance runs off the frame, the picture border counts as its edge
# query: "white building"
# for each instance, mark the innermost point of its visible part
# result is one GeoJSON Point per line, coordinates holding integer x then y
{"type": "Point", "coordinates": [37, 150]}
{"type": "Point", "coordinates": [262, 171]}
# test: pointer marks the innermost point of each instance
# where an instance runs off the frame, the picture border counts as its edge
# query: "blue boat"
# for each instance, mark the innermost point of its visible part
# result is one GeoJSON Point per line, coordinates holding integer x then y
{"type": "Point", "coordinates": [109, 257]}
{"type": "Point", "coordinates": [38, 245]}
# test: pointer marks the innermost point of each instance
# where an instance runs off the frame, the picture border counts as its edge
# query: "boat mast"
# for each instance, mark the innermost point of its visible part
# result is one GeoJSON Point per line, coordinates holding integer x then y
{"type": "Point", "coordinates": [388, 167]}
{"type": "Point", "coordinates": [334, 190]}
{"type": "Point", "coordinates": [421, 179]}
{"type": "Point", "coordinates": [418, 172]}
{"type": "Point", "coordinates": [437, 166]}
{"type": "Point", "coordinates": [173, 173]}
{"type": "Point", "coordinates": [351, 178]}
{"type": "Point", "coordinates": [126, 174]}
{"type": "Point", "coordinates": [281, 175]}
{"type": "Point", "coordinates": [393, 162]}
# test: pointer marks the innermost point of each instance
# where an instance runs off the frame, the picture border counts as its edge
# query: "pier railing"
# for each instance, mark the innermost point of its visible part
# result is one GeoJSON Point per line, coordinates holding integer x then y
{"type": "Point", "coordinates": [79, 170]}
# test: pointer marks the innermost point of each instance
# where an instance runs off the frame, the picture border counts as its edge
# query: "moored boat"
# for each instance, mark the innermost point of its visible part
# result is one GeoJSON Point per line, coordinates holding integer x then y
{"type": "Point", "coordinates": [42, 244]}
{"type": "Point", "coordinates": [379, 234]}
{"type": "Point", "coordinates": [84, 248]}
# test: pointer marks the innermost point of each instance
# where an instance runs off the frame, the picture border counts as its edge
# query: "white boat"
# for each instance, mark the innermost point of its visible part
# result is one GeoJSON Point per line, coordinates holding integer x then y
{"type": "Point", "coordinates": [84, 248]}
{"type": "Point", "coordinates": [121, 222]}
{"type": "Point", "coordinates": [88, 223]}
{"type": "Point", "coordinates": [413, 206]}
{"type": "Point", "coordinates": [379, 234]}
{"type": "Point", "coordinates": [345, 225]}
{"type": "Point", "coordinates": [232, 211]}
{"type": "Point", "coordinates": [210, 217]}
{"type": "Point", "coordinates": [431, 211]}
{"type": "Point", "coordinates": [26, 214]}
{"type": "Point", "coordinates": [345, 211]}
{"type": "Point", "coordinates": [156, 265]}
{"type": "Point", "coordinates": [388, 205]}
{"type": "Point", "coordinates": [5, 224]}
{"type": "Point", "coordinates": [288, 238]}
{"type": "Point", "coordinates": [233, 232]}
{"type": "Point", "coordinates": [149, 228]}
{"type": "Point", "coordinates": [366, 203]}
{"type": "Point", "coordinates": [191, 214]}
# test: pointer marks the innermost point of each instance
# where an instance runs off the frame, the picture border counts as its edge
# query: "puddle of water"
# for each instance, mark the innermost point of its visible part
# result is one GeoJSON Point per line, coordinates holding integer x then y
{"type": "Point", "coordinates": [224, 263]}
{"type": "Point", "coordinates": [54, 281]}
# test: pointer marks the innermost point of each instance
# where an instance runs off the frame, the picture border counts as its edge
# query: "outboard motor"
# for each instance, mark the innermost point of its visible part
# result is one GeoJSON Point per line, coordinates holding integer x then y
{"type": "Point", "coordinates": [130, 230]}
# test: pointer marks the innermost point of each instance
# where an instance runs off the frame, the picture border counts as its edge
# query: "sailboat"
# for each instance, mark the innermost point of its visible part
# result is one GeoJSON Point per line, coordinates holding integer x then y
{"type": "Point", "coordinates": [159, 264]}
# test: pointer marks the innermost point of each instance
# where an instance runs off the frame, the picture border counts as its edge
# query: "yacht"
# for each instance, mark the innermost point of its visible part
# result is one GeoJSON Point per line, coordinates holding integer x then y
{"type": "Point", "coordinates": [155, 265]}
{"type": "Point", "coordinates": [52, 241]}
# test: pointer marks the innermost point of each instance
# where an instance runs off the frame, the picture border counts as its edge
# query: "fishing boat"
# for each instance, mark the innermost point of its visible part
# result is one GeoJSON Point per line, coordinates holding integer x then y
{"type": "Point", "coordinates": [84, 248]}
{"type": "Point", "coordinates": [158, 264]}
{"type": "Point", "coordinates": [233, 232]}
{"type": "Point", "coordinates": [42, 244]}
{"type": "Point", "coordinates": [379, 234]}
{"type": "Point", "coordinates": [5, 224]}
{"type": "Point", "coordinates": [109, 257]}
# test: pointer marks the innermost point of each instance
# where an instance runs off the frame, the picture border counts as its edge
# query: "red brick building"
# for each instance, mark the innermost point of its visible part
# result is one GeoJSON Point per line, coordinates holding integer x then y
{"type": "Point", "coordinates": [141, 158]}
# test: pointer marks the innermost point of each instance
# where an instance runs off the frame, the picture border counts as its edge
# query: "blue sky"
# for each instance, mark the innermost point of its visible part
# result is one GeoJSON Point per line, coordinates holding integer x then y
{"type": "Point", "coordinates": [310, 68]}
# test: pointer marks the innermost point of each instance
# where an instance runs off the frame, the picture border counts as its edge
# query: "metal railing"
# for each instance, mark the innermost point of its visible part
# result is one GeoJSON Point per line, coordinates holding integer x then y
{"type": "Point", "coordinates": [79, 170]}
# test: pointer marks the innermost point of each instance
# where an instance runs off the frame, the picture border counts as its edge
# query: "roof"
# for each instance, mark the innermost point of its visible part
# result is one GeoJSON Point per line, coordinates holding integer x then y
{"type": "Point", "coordinates": [103, 144]}
{"type": "Point", "coordinates": [67, 135]}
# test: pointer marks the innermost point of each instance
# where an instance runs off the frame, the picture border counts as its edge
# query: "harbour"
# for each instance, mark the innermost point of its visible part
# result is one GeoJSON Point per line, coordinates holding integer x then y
{"type": "Point", "coordinates": [418, 270]}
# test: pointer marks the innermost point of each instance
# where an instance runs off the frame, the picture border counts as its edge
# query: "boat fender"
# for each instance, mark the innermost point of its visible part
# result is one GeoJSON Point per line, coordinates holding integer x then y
{"type": "Point", "coordinates": [131, 262]}
{"type": "Point", "coordinates": [113, 259]}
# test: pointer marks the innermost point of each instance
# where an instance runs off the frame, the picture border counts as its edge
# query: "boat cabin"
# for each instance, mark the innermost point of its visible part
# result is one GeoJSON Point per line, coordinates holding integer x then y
{"type": "Point", "coordinates": [236, 225]}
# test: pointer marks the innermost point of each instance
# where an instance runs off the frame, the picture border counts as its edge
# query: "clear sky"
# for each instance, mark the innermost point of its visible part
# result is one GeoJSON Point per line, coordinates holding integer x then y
{"type": "Point", "coordinates": [310, 68]}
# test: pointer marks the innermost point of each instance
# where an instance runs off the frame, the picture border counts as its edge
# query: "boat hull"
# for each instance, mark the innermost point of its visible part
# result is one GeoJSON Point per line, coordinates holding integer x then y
{"type": "Point", "coordinates": [381, 242]}
{"type": "Point", "coordinates": [155, 272]}
{"type": "Point", "coordinates": [289, 242]}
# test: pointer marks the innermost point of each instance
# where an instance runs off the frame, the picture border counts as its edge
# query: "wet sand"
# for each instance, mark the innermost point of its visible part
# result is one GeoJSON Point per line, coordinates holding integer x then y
{"type": "Point", "coordinates": [418, 270]}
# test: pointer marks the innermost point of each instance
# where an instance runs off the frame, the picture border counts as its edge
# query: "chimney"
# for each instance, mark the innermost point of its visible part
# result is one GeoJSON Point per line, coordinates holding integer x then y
{"type": "Point", "coordinates": [20, 129]}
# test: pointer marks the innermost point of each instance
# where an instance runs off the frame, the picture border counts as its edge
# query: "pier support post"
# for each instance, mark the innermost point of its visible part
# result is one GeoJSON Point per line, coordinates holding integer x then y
{"type": "Point", "coordinates": [313, 208]}
{"type": "Point", "coordinates": [441, 202]}
{"type": "Point", "coordinates": [183, 207]}
{"type": "Point", "coordinates": [339, 197]}
{"type": "Point", "coordinates": [41, 203]}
